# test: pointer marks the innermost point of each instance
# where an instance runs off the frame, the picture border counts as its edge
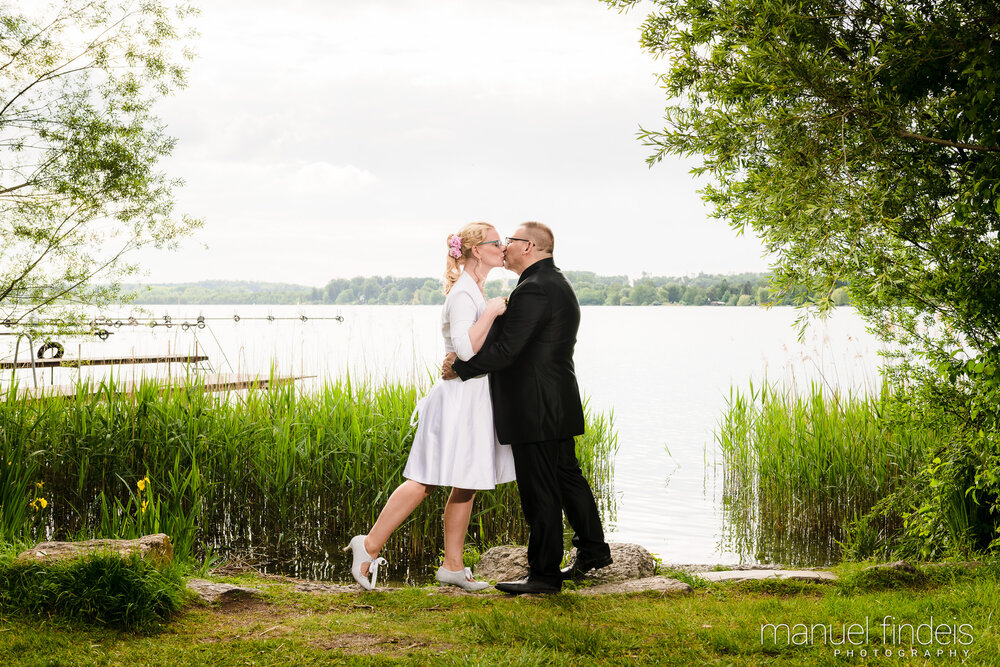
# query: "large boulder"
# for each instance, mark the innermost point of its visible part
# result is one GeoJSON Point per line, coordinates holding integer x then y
{"type": "Point", "coordinates": [631, 561]}
{"type": "Point", "coordinates": [506, 563]}
{"type": "Point", "coordinates": [156, 549]}
{"type": "Point", "coordinates": [509, 563]}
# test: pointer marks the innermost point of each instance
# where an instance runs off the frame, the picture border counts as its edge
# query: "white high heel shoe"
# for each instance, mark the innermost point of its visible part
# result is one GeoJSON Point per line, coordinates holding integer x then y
{"type": "Point", "coordinates": [357, 547]}
{"type": "Point", "coordinates": [460, 578]}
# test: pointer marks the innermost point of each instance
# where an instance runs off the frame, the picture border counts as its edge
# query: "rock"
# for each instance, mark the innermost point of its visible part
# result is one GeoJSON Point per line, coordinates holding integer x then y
{"type": "Point", "coordinates": [156, 549]}
{"type": "Point", "coordinates": [509, 563]}
{"type": "Point", "coordinates": [631, 561]}
{"type": "Point", "coordinates": [332, 589]}
{"type": "Point", "coordinates": [661, 584]}
{"type": "Point", "coordinates": [506, 563]}
{"type": "Point", "coordinates": [889, 575]}
{"type": "Point", "coordinates": [209, 591]}
{"type": "Point", "coordinates": [899, 566]}
{"type": "Point", "coordinates": [757, 575]}
{"type": "Point", "coordinates": [455, 591]}
{"type": "Point", "coordinates": [692, 568]}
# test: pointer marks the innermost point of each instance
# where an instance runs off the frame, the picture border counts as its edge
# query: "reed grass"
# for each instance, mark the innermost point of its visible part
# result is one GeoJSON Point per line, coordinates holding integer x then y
{"type": "Point", "coordinates": [278, 478]}
{"type": "Point", "coordinates": [596, 450]}
{"type": "Point", "coordinates": [799, 470]}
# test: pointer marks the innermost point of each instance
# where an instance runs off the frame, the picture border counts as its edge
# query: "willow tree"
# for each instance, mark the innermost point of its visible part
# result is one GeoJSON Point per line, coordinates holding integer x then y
{"type": "Point", "coordinates": [860, 139]}
{"type": "Point", "coordinates": [79, 148]}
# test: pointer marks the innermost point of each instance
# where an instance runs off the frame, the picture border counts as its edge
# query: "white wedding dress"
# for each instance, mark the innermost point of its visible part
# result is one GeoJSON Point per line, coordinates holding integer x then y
{"type": "Point", "coordinates": [455, 443]}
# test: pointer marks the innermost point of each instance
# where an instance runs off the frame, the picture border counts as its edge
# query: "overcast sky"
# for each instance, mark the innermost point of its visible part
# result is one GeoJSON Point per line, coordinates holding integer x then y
{"type": "Point", "coordinates": [327, 139]}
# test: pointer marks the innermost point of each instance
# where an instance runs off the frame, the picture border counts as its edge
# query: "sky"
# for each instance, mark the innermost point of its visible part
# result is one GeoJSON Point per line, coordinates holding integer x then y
{"type": "Point", "coordinates": [327, 139]}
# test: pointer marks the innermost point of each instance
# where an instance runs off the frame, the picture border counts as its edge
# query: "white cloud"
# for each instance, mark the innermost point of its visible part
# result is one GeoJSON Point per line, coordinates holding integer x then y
{"type": "Point", "coordinates": [401, 120]}
{"type": "Point", "coordinates": [323, 178]}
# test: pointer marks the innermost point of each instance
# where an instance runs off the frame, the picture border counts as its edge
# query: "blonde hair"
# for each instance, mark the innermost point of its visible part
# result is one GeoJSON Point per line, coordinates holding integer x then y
{"type": "Point", "coordinates": [471, 235]}
{"type": "Point", "coordinates": [541, 235]}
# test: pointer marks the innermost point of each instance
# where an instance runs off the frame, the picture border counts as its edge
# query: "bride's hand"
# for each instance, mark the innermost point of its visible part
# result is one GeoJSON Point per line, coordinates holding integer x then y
{"type": "Point", "coordinates": [497, 305]}
{"type": "Point", "coordinates": [447, 373]}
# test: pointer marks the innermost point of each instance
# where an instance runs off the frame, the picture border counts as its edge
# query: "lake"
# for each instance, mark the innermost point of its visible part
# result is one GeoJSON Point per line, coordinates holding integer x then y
{"type": "Point", "coordinates": [665, 372]}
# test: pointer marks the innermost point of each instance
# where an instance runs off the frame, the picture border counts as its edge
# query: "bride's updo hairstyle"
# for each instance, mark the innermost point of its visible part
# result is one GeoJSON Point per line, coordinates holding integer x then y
{"type": "Point", "coordinates": [460, 249]}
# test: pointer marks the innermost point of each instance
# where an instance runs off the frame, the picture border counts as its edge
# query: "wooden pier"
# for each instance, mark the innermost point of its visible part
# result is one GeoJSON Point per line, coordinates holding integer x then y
{"type": "Point", "coordinates": [210, 383]}
{"type": "Point", "coordinates": [104, 361]}
{"type": "Point", "coordinates": [191, 377]}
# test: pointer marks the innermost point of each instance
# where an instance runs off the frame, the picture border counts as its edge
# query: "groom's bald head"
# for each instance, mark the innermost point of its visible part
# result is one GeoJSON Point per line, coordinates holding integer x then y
{"type": "Point", "coordinates": [540, 235]}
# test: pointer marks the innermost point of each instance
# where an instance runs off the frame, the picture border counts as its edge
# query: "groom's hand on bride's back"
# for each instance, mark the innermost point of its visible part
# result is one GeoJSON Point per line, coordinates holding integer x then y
{"type": "Point", "coordinates": [447, 372]}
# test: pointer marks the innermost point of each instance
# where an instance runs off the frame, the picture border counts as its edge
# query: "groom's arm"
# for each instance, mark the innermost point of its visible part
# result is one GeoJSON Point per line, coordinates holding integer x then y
{"type": "Point", "coordinates": [525, 312]}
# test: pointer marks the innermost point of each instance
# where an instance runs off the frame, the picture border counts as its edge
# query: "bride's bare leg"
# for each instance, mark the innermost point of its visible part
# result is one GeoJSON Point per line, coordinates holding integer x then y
{"type": "Point", "coordinates": [400, 505]}
{"type": "Point", "coordinates": [457, 513]}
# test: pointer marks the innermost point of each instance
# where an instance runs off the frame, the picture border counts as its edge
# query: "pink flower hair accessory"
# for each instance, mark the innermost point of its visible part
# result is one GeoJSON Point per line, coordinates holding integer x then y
{"type": "Point", "coordinates": [455, 246]}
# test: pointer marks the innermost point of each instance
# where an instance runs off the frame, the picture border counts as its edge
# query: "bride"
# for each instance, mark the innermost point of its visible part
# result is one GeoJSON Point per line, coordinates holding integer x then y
{"type": "Point", "coordinates": [455, 444]}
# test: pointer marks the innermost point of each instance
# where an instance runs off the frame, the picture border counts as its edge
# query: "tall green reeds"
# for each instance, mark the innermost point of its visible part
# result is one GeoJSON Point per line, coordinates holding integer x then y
{"type": "Point", "coordinates": [596, 450]}
{"type": "Point", "coordinates": [277, 477]}
{"type": "Point", "coordinates": [798, 470]}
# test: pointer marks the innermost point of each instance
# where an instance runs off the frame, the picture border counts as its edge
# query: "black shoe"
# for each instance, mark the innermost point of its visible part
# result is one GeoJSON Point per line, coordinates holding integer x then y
{"type": "Point", "coordinates": [527, 586]}
{"type": "Point", "coordinates": [581, 566]}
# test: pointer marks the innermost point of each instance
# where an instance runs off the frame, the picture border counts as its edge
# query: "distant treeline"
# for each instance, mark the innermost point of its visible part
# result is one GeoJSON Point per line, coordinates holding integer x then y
{"type": "Point", "coordinates": [744, 289]}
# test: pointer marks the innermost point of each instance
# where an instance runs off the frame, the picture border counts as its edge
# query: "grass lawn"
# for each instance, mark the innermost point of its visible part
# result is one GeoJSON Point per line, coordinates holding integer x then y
{"type": "Point", "coordinates": [948, 609]}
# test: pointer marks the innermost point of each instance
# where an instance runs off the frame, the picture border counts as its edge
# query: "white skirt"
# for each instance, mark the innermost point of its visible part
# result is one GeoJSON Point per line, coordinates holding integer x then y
{"type": "Point", "coordinates": [456, 444]}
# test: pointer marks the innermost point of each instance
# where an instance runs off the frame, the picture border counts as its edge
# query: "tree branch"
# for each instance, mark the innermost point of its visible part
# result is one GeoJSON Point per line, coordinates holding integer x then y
{"type": "Point", "coordinates": [31, 40]}
{"type": "Point", "coordinates": [131, 243]}
{"type": "Point", "coordinates": [16, 187]}
{"type": "Point", "coordinates": [903, 134]}
{"type": "Point", "coordinates": [60, 70]}
{"type": "Point", "coordinates": [53, 242]}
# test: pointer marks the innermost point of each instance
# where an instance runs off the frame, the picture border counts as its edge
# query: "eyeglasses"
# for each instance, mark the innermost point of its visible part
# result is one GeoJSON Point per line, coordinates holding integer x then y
{"type": "Point", "coordinates": [495, 243]}
{"type": "Point", "coordinates": [514, 238]}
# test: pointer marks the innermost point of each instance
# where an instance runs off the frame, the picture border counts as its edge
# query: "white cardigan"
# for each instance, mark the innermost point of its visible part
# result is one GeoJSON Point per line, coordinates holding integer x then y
{"type": "Point", "coordinates": [462, 307]}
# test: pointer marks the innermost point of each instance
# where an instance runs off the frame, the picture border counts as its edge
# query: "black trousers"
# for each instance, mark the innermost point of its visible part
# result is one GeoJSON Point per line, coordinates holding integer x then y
{"type": "Point", "coordinates": [550, 482]}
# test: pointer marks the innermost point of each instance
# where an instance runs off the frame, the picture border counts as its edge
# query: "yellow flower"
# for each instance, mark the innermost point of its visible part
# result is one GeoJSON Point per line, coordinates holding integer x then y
{"type": "Point", "coordinates": [141, 484]}
{"type": "Point", "coordinates": [39, 484]}
{"type": "Point", "coordinates": [43, 503]}
{"type": "Point", "coordinates": [144, 503]}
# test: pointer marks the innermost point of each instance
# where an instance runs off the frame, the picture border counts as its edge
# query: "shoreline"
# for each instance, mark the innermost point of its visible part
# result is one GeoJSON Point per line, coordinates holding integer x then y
{"type": "Point", "coordinates": [714, 623]}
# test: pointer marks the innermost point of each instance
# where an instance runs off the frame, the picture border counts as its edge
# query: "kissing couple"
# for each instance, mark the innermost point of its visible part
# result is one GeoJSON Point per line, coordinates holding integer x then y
{"type": "Point", "coordinates": [507, 406]}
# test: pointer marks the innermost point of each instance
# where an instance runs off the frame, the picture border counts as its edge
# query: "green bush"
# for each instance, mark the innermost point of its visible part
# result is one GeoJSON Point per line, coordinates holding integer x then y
{"type": "Point", "coordinates": [104, 588]}
{"type": "Point", "coordinates": [949, 507]}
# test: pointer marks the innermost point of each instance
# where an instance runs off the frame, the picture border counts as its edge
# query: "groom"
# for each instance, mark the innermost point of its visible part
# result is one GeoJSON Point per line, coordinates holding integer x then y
{"type": "Point", "coordinates": [537, 411]}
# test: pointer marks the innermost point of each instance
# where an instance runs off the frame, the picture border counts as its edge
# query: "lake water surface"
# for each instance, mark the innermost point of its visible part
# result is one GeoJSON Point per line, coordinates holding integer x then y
{"type": "Point", "coordinates": [665, 372]}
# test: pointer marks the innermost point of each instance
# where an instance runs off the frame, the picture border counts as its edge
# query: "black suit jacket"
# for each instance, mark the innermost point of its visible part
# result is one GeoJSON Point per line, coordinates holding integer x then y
{"type": "Point", "coordinates": [529, 357]}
